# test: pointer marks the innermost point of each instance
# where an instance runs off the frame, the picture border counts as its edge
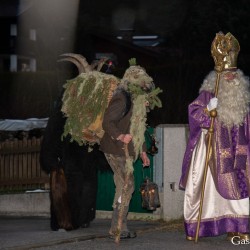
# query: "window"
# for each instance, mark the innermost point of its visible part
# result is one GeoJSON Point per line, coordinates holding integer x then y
{"type": "Point", "coordinates": [33, 34]}
{"type": "Point", "coordinates": [13, 30]}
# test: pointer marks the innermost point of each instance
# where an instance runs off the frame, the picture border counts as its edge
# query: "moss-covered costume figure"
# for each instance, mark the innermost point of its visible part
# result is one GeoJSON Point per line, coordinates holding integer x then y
{"type": "Point", "coordinates": [102, 109]}
{"type": "Point", "coordinates": [124, 124]}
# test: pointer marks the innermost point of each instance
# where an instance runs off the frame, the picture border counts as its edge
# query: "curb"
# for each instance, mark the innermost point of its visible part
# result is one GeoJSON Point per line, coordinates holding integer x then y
{"type": "Point", "coordinates": [57, 242]}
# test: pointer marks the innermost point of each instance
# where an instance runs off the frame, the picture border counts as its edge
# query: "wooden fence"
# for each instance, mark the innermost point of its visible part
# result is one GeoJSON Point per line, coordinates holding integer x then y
{"type": "Point", "coordinates": [19, 166]}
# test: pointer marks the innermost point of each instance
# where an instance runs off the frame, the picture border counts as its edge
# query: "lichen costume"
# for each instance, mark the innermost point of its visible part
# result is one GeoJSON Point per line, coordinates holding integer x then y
{"type": "Point", "coordinates": [137, 89]}
{"type": "Point", "coordinates": [99, 107]}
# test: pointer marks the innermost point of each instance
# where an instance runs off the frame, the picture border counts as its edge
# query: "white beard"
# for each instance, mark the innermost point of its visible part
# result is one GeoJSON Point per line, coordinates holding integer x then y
{"type": "Point", "coordinates": [233, 97]}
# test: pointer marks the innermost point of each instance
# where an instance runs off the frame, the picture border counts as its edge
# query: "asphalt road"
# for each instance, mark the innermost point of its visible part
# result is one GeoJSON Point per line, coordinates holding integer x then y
{"type": "Point", "coordinates": [34, 233]}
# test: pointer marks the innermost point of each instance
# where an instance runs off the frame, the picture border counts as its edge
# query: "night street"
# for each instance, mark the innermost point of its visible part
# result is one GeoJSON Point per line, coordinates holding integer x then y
{"type": "Point", "coordinates": [34, 233]}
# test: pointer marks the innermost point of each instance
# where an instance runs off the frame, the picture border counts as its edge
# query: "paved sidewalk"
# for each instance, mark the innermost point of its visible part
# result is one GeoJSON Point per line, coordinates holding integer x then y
{"type": "Point", "coordinates": [34, 233]}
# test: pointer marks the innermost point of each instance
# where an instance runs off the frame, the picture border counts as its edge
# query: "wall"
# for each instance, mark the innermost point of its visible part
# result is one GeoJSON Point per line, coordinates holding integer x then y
{"type": "Point", "coordinates": [27, 204]}
{"type": "Point", "coordinates": [171, 142]}
{"type": "Point", "coordinates": [168, 163]}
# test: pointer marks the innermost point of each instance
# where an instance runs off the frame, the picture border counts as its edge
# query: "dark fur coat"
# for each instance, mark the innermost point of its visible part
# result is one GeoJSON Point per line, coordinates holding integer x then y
{"type": "Point", "coordinates": [73, 175]}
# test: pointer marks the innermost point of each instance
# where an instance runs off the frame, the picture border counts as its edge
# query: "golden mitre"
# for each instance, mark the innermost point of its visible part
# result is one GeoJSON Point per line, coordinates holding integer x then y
{"type": "Point", "coordinates": [225, 50]}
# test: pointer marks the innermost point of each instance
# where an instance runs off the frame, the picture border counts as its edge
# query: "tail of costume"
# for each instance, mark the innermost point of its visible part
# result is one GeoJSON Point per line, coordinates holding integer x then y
{"type": "Point", "coordinates": [59, 199]}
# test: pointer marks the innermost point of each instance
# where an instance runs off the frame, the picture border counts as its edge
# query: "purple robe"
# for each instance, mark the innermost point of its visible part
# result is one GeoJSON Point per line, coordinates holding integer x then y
{"type": "Point", "coordinates": [229, 163]}
{"type": "Point", "coordinates": [229, 166]}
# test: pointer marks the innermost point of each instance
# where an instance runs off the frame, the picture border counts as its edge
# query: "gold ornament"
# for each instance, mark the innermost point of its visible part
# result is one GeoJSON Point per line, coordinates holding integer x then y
{"type": "Point", "coordinates": [225, 50]}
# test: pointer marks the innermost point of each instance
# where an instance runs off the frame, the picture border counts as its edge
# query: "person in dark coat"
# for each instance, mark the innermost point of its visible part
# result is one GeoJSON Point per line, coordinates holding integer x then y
{"type": "Point", "coordinates": [65, 159]}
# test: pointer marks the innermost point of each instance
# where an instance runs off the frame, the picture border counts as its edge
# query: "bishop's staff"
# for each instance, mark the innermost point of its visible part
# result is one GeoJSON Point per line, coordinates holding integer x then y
{"type": "Point", "coordinates": [224, 50]}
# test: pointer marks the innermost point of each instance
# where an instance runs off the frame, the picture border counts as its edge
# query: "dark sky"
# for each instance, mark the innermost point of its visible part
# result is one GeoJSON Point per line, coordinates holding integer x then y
{"type": "Point", "coordinates": [197, 21]}
{"type": "Point", "coordinates": [187, 29]}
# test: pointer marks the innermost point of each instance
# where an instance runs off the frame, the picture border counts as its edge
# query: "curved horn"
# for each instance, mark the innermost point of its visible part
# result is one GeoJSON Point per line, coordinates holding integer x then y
{"type": "Point", "coordinates": [81, 59]}
{"type": "Point", "coordinates": [94, 65]}
{"type": "Point", "coordinates": [98, 64]}
{"type": "Point", "coordinates": [101, 62]}
{"type": "Point", "coordinates": [73, 60]}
